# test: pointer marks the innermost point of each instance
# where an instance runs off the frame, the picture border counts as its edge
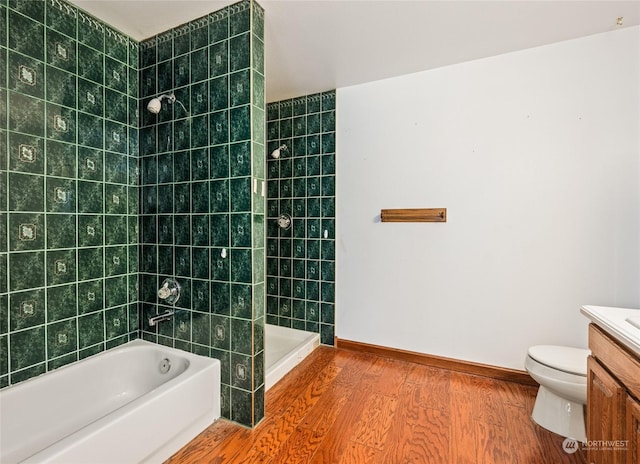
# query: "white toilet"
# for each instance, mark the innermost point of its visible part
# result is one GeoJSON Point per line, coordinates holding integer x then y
{"type": "Point", "coordinates": [561, 372]}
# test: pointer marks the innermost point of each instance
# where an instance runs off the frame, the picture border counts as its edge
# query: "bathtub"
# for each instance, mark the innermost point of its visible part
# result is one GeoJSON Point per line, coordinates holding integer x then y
{"type": "Point", "coordinates": [138, 403]}
{"type": "Point", "coordinates": [284, 349]}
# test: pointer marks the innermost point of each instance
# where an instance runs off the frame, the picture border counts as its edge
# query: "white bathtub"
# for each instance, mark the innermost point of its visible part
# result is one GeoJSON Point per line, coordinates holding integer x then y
{"type": "Point", "coordinates": [284, 349]}
{"type": "Point", "coordinates": [115, 407]}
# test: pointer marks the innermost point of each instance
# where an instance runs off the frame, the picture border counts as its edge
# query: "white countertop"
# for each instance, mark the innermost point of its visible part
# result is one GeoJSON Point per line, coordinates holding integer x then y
{"type": "Point", "coordinates": [621, 323]}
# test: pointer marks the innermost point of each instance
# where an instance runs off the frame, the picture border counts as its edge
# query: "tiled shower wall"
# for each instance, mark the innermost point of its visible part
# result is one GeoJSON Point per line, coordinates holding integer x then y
{"type": "Point", "coordinates": [301, 183]}
{"type": "Point", "coordinates": [68, 194]}
{"type": "Point", "coordinates": [202, 218]}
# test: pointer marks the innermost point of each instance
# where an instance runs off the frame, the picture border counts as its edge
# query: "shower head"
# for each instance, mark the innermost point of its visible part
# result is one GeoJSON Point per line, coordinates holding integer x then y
{"type": "Point", "coordinates": [155, 104]}
{"type": "Point", "coordinates": [275, 154]}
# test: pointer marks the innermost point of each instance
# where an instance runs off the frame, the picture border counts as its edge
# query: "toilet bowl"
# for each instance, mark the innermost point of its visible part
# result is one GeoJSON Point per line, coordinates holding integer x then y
{"type": "Point", "coordinates": [561, 372]}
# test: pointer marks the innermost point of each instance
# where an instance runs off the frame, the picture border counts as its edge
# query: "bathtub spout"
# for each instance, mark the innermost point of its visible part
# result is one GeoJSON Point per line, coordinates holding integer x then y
{"type": "Point", "coordinates": [160, 317]}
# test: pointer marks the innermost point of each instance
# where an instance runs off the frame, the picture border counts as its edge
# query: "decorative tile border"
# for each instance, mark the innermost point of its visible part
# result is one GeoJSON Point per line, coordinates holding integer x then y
{"type": "Point", "coordinates": [239, 7]}
{"type": "Point", "coordinates": [97, 25]}
{"type": "Point", "coordinates": [64, 7]}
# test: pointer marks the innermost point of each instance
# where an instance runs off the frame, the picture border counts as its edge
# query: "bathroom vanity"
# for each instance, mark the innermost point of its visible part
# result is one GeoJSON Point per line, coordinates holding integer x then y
{"type": "Point", "coordinates": [613, 386]}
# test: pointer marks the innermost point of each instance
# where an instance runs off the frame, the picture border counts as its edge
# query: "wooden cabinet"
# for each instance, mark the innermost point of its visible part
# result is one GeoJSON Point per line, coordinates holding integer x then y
{"type": "Point", "coordinates": [606, 400]}
{"type": "Point", "coordinates": [633, 431]}
{"type": "Point", "coordinates": [613, 409]}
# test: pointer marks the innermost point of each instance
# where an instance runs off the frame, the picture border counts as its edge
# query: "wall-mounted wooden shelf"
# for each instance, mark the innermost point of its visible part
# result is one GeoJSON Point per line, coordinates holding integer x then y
{"type": "Point", "coordinates": [414, 215]}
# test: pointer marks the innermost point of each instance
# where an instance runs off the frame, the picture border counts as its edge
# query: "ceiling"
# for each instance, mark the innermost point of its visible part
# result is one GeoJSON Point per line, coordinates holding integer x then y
{"type": "Point", "coordinates": [316, 45]}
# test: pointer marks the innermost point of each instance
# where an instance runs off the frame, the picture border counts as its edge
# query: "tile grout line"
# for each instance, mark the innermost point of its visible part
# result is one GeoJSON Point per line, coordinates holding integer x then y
{"type": "Point", "coordinates": [6, 177]}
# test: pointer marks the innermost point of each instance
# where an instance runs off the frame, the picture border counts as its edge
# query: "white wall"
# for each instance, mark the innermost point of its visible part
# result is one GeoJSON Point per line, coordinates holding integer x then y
{"type": "Point", "coordinates": [536, 156]}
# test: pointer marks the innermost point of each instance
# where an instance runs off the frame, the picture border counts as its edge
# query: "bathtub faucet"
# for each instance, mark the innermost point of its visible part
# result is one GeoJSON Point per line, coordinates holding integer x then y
{"type": "Point", "coordinates": [161, 317]}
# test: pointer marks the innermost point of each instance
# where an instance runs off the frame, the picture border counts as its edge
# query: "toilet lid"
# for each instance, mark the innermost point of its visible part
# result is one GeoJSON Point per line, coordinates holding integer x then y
{"type": "Point", "coordinates": [564, 358]}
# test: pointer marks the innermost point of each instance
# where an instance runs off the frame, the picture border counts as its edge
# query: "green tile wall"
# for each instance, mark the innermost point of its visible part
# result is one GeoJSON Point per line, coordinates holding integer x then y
{"type": "Point", "coordinates": [202, 207]}
{"type": "Point", "coordinates": [71, 208]}
{"type": "Point", "coordinates": [68, 187]}
{"type": "Point", "coordinates": [301, 183]}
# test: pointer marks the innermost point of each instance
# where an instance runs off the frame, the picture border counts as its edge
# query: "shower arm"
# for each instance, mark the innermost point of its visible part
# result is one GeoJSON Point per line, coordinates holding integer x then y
{"type": "Point", "coordinates": [154, 104]}
{"type": "Point", "coordinates": [170, 97]}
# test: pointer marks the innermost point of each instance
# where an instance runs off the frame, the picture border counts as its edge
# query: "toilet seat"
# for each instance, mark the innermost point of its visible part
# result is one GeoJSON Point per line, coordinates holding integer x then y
{"type": "Point", "coordinates": [551, 376]}
{"type": "Point", "coordinates": [563, 358]}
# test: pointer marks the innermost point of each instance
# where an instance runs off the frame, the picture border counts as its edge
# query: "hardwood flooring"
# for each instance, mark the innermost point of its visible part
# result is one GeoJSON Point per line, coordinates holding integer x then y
{"type": "Point", "coordinates": [346, 407]}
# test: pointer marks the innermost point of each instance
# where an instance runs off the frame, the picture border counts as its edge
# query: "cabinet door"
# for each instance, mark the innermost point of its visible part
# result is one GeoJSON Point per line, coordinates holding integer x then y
{"type": "Point", "coordinates": [633, 431]}
{"type": "Point", "coordinates": [605, 415]}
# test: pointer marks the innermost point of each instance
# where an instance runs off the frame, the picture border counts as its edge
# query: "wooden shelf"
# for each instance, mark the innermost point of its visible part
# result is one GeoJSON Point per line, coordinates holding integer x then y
{"type": "Point", "coordinates": [414, 215]}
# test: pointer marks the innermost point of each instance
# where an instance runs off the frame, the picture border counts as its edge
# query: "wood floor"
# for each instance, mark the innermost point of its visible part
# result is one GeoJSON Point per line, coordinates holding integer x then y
{"type": "Point", "coordinates": [342, 406]}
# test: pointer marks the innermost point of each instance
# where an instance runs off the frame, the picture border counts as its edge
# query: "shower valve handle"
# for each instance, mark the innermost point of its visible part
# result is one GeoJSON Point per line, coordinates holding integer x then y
{"type": "Point", "coordinates": [169, 291]}
{"type": "Point", "coordinates": [164, 292]}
